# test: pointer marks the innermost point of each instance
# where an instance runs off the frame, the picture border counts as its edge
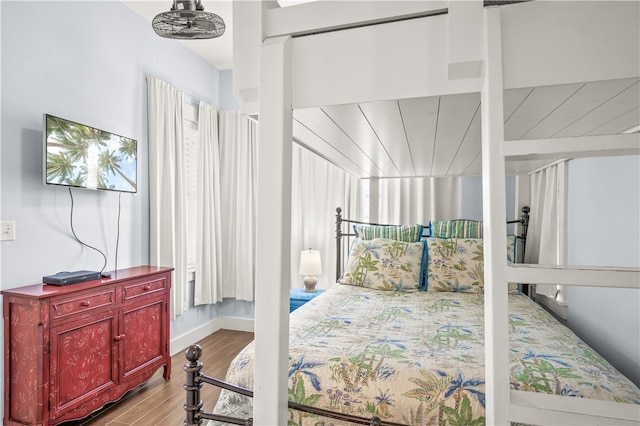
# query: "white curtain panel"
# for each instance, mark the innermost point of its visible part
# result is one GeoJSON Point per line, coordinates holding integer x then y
{"type": "Point", "coordinates": [167, 187]}
{"type": "Point", "coordinates": [542, 235]}
{"type": "Point", "coordinates": [318, 187]}
{"type": "Point", "coordinates": [208, 279]}
{"type": "Point", "coordinates": [408, 201]}
{"type": "Point", "coordinates": [238, 160]}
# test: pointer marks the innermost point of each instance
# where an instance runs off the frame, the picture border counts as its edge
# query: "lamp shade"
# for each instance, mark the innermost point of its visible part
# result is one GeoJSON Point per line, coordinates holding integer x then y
{"type": "Point", "coordinates": [310, 263]}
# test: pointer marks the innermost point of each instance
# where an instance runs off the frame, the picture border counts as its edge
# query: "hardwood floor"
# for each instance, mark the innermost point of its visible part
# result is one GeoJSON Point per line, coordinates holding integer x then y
{"type": "Point", "coordinates": [158, 402]}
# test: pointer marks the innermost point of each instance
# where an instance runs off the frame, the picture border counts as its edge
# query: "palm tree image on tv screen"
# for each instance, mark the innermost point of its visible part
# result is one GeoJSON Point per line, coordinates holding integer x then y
{"type": "Point", "coordinates": [86, 157]}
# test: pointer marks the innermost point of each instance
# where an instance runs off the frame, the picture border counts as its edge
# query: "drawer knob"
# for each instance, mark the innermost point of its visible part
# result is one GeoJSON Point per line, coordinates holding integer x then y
{"type": "Point", "coordinates": [146, 288]}
{"type": "Point", "coordinates": [118, 337]}
{"type": "Point", "coordinates": [85, 304]}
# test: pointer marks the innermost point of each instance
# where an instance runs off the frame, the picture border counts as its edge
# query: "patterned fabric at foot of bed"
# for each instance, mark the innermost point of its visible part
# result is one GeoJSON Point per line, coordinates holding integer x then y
{"type": "Point", "coordinates": [418, 358]}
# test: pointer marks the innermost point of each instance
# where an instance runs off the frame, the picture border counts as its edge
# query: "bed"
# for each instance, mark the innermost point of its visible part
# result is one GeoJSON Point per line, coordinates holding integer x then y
{"type": "Point", "coordinates": [320, 55]}
{"type": "Point", "coordinates": [408, 347]}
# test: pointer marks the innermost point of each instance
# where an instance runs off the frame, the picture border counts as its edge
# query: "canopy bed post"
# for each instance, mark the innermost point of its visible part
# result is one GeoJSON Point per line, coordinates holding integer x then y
{"type": "Point", "coordinates": [494, 216]}
{"type": "Point", "coordinates": [524, 228]}
{"type": "Point", "coordinates": [192, 386]}
{"type": "Point", "coordinates": [274, 233]}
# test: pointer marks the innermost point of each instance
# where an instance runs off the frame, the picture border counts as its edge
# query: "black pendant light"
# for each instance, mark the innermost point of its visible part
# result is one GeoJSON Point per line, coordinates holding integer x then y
{"type": "Point", "coordinates": [187, 20]}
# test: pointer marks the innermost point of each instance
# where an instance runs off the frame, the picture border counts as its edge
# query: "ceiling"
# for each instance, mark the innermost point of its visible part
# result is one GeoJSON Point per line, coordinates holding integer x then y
{"type": "Point", "coordinates": [436, 136]}
{"type": "Point", "coordinates": [440, 136]}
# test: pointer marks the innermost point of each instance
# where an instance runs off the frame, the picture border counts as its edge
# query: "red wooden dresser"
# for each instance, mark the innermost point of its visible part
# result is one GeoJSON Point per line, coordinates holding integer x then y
{"type": "Point", "coordinates": [69, 350]}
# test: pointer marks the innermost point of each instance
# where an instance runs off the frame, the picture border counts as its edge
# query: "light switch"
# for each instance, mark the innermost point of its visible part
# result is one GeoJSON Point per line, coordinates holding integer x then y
{"type": "Point", "coordinates": [7, 230]}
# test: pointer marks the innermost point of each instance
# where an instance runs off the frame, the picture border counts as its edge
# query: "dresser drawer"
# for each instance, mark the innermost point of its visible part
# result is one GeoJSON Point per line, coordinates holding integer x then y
{"type": "Point", "coordinates": [143, 288]}
{"type": "Point", "coordinates": [65, 306]}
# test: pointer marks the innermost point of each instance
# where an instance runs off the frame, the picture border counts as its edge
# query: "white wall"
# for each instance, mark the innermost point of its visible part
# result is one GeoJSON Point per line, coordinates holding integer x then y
{"type": "Point", "coordinates": [85, 61]}
{"type": "Point", "coordinates": [88, 62]}
{"type": "Point", "coordinates": [604, 229]}
{"type": "Point", "coordinates": [227, 100]}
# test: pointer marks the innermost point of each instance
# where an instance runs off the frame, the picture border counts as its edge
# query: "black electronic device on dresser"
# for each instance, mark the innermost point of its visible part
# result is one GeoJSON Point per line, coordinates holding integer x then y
{"type": "Point", "coordinates": [73, 277]}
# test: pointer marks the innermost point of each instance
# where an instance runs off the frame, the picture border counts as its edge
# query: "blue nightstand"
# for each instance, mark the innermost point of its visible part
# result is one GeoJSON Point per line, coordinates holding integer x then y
{"type": "Point", "coordinates": [298, 297]}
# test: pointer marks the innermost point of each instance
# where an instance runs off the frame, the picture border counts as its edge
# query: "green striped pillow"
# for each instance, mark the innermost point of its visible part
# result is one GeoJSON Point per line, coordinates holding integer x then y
{"type": "Point", "coordinates": [460, 228]}
{"type": "Point", "coordinates": [405, 233]}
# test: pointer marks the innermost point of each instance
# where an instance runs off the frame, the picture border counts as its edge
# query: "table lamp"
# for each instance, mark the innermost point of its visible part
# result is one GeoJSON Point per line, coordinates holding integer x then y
{"type": "Point", "coordinates": [310, 266]}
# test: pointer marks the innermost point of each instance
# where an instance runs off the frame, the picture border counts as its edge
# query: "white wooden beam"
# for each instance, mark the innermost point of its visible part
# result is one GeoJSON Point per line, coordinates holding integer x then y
{"type": "Point", "coordinates": [321, 16]}
{"type": "Point", "coordinates": [336, 69]}
{"type": "Point", "coordinates": [587, 276]}
{"type": "Point", "coordinates": [248, 34]}
{"type": "Point", "coordinates": [397, 60]}
{"type": "Point", "coordinates": [465, 39]}
{"type": "Point", "coordinates": [273, 234]}
{"type": "Point", "coordinates": [494, 216]}
{"type": "Point", "coordinates": [539, 408]}
{"type": "Point", "coordinates": [579, 146]}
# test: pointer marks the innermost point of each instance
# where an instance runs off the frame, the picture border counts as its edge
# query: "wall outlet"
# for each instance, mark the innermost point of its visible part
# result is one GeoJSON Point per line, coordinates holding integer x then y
{"type": "Point", "coordinates": [7, 230]}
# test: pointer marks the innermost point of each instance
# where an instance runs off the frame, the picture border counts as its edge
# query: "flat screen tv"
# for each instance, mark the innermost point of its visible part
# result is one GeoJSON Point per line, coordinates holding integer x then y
{"type": "Point", "coordinates": [77, 155]}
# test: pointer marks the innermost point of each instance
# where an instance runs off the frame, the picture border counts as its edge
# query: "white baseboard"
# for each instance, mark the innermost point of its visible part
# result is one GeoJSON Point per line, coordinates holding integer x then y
{"type": "Point", "coordinates": [181, 343]}
{"type": "Point", "coordinates": [238, 324]}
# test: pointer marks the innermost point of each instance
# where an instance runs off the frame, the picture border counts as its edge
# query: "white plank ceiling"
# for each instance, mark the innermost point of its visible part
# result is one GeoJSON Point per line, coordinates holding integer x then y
{"type": "Point", "coordinates": [440, 136]}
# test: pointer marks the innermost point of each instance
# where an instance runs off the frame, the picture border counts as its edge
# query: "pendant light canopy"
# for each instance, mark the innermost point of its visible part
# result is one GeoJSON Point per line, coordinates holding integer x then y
{"type": "Point", "coordinates": [187, 20]}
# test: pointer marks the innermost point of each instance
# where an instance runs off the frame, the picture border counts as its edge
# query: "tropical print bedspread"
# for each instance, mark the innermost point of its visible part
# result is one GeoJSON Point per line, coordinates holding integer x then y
{"type": "Point", "coordinates": [418, 358]}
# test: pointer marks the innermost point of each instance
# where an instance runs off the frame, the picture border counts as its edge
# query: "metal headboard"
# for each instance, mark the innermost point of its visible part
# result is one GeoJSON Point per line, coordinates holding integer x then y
{"type": "Point", "coordinates": [523, 221]}
{"type": "Point", "coordinates": [339, 234]}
